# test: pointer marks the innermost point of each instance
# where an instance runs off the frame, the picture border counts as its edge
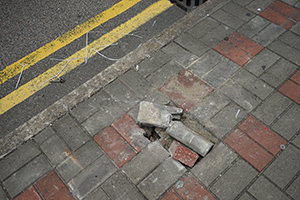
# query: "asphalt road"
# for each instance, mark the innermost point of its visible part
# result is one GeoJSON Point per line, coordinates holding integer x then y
{"type": "Point", "coordinates": [28, 25]}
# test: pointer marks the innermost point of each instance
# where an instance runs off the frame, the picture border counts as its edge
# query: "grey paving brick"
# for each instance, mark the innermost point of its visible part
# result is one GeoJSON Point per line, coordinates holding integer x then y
{"type": "Point", "coordinates": [258, 6]}
{"type": "Point", "coordinates": [79, 160]}
{"type": "Point", "coordinates": [44, 135]}
{"type": "Point", "coordinates": [246, 196]}
{"type": "Point", "coordinates": [253, 84]}
{"type": "Point", "coordinates": [289, 124]}
{"type": "Point", "coordinates": [291, 39]}
{"type": "Point", "coordinates": [296, 27]}
{"type": "Point", "coordinates": [99, 194]}
{"type": "Point", "coordinates": [234, 180]}
{"type": "Point", "coordinates": [192, 44]}
{"type": "Point", "coordinates": [103, 118]}
{"type": "Point", "coordinates": [268, 34]}
{"type": "Point", "coordinates": [210, 106]}
{"type": "Point", "coordinates": [297, 5]}
{"type": "Point", "coordinates": [137, 83]}
{"type": "Point", "coordinates": [265, 59]}
{"type": "Point", "coordinates": [272, 108]}
{"type": "Point", "coordinates": [182, 56]}
{"type": "Point", "coordinates": [291, 2]}
{"type": "Point", "coordinates": [87, 108]}
{"type": "Point", "coordinates": [285, 51]}
{"type": "Point", "coordinates": [165, 74]}
{"type": "Point", "coordinates": [279, 72]}
{"type": "Point", "coordinates": [151, 64]}
{"type": "Point", "coordinates": [28, 174]}
{"type": "Point", "coordinates": [238, 11]}
{"type": "Point", "coordinates": [118, 187]}
{"type": "Point", "coordinates": [142, 164]}
{"type": "Point", "coordinates": [91, 177]}
{"type": "Point", "coordinates": [240, 95]}
{"type": "Point", "coordinates": [203, 27]}
{"type": "Point", "coordinates": [205, 63]}
{"type": "Point", "coordinates": [253, 26]}
{"type": "Point", "coordinates": [225, 120]}
{"type": "Point", "coordinates": [263, 189]}
{"type": "Point", "coordinates": [165, 175]}
{"type": "Point", "coordinates": [296, 141]}
{"type": "Point", "coordinates": [221, 73]}
{"type": "Point", "coordinates": [71, 132]}
{"type": "Point", "coordinates": [3, 195]}
{"type": "Point", "coordinates": [122, 94]}
{"type": "Point", "coordinates": [17, 159]}
{"type": "Point", "coordinates": [285, 167]}
{"type": "Point", "coordinates": [55, 149]}
{"type": "Point", "coordinates": [227, 19]}
{"type": "Point", "coordinates": [212, 165]}
{"type": "Point", "coordinates": [215, 36]}
{"type": "Point", "coordinates": [294, 188]}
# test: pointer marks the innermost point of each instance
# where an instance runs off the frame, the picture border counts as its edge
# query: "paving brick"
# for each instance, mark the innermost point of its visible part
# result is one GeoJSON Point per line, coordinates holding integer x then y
{"type": "Point", "coordinates": [131, 132]}
{"type": "Point", "coordinates": [114, 146]}
{"type": "Point", "coordinates": [228, 19]}
{"type": "Point", "coordinates": [297, 5]}
{"type": "Point", "coordinates": [210, 106]}
{"type": "Point", "coordinates": [203, 27]}
{"type": "Point", "coordinates": [147, 160]}
{"type": "Point", "coordinates": [79, 160]}
{"type": "Point", "coordinates": [240, 95]}
{"type": "Point", "coordinates": [291, 39]}
{"type": "Point", "coordinates": [91, 177]}
{"type": "Point", "coordinates": [183, 154]}
{"type": "Point", "coordinates": [293, 189]}
{"type": "Point", "coordinates": [44, 135]}
{"type": "Point", "coordinates": [296, 141]}
{"type": "Point", "coordinates": [189, 188]}
{"type": "Point", "coordinates": [238, 11]}
{"type": "Point", "coordinates": [285, 51]}
{"type": "Point", "coordinates": [248, 149]}
{"type": "Point", "coordinates": [291, 90]}
{"type": "Point", "coordinates": [4, 197]}
{"type": "Point", "coordinates": [28, 174]}
{"type": "Point", "coordinates": [99, 194]}
{"type": "Point", "coordinates": [211, 166]}
{"type": "Point", "coordinates": [265, 137]}
{"type": "Point", "coordinates": [267, 113]}
{"type": "Point", "coordinates": [221, 73]}
{"type": "Point", "coordinates": [234, 54]}
{"type": "Point", "coordinates": [17, 159]}
{"type": "Point", "coordinates": [71, 132]}
{"type": "Point", "coordinates": [279, 72]}
{"type": "Point", "coordinates": [277, 18]}
{"type": "Point", "coordinates": [165, 175]}
{"type": "Point", "coordinates": [225, 120]}
{"type": "Point", "coordinates": [51, 187]}
{"type": "Point", "coordinates": [285, 167]}
{"type": "Point", "coordinates": [291, 2]}
{"type": "Point", "coordinates": [242, 2]}
{"type": "Point", "coordinates": [268, 34]}
{"type": "Point", "coordinates": [30, 193]}
{"type": "Point", "coordinates": [229, 186]}
{"type": "Point", "coordinates": [205, 63]}
{"type": "Point", "coordinates": [186, 90]}
{"type": "Point", "coordinates": [286, 10]}
{"type": "Point", "coordinates": [296, 28]}
{"type": "Point", "coordinates": [182, 56]}
{"type": "Point", "coordinates": [296, 77]}
{"type": "Point", "coordinates": [170, 195]}
{"type": "Point", "coordinates": [246, 196]}
{"type": "Point", "coordinates": [165, 73]}
{"type": "Point", "coordinates": [254, 26]}
{"type": "Point", "coordinates": [118, 187]}
{"type": "Point", "coordinates": [215, 36]}
{"type": "Point", "coordinates": [261, 62]}
{"type": "Point", "coordinates": [257, 6]}
{"type": "Point", "coordinates": [192, 44]}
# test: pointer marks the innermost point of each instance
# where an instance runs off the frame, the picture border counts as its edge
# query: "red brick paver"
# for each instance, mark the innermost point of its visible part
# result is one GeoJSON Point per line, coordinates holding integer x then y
{"type": "Point", "coordinates": [186, 90]}
{"type": "Point", "coordinates": [248, 149]}
{"type": "Point", "coordinates": [296, 77]}
{"type": "Point", "coordinates": [233, 53]}
{"type": "Point", "coordinates": [286, 10]}
{"type": "Point", "coordinates": [245, 44]}
{"type": "Point", "coordinates": [30, 193]}
{"type": "Point", "coordinates": [51, 187]}
{"type": "Point", "coordinates": [192, 189]}
{"type": "Point", "coordinates": [170, 196]}
{"type": "Point", "coordinates": [291, 90]}
{"type": "Point", "coordinates": [277, 18]}
{"type": "Point", "coordinates": [183, 154]}
{"type": "Point", "coordinates": [265, 137]}
{"type": "Point", "coordinates": [114, 146]}
{"type": "Point", "coordinates": [131, 132]}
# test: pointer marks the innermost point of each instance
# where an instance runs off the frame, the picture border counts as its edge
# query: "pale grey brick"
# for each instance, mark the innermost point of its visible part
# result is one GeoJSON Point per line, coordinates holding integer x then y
{"type": "Point", "coordinates": [3, 195]}
{"type": "Point", "coordinates": [242, 2]}
{"type": "Point", "coordinates": [296, 27]}
{"type": "Point", "coordinates": [44, 135]}
{"type": "Point", "coordinates": [253, 26]}
{"type": "Point", "coordinates": [294, 189]}
{"type": "Point", "coordinates": [296, 141]}
{"type": "Point", "coordinates": [238, 11]}
{"type": "Point", "coordinates": [291, 39]}
{"type": "Point", "coordinates": [268, 34]}
{"type": "Point", "coordinates": [291, 2]}
{"type": "Point", "coordinates": [258, 6]}
{"type": "Point", "coordinates": [203, 27]}
{"type": "Point", "coordinates": [99, 194]}
{"type": "Point", "coordinates": [215, 36]}
{"type": "Point", "coordinates": [228, 19]}
{"type": "Point", "coordinates": [246, 196]}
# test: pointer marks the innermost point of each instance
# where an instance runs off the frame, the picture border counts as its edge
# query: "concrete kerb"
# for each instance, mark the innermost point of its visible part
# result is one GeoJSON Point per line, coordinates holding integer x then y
{"type": "Point", "coordinates": [86, 90]}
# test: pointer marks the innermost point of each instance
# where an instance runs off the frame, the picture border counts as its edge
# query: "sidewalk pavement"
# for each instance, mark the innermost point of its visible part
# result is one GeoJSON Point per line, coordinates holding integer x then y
{"type": "Point", "coordinates": [233, 66]}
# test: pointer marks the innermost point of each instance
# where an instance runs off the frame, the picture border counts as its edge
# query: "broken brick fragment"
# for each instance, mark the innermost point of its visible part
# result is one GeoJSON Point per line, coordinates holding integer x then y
{"type": "Point", "coordinates": [183, 154]}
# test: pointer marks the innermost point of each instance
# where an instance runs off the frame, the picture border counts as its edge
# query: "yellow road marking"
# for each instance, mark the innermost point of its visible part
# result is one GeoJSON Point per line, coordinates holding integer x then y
{"type": "Point", "coordinates": [41, 53]}
{"type": "Point", "coordinates": [36, 84]}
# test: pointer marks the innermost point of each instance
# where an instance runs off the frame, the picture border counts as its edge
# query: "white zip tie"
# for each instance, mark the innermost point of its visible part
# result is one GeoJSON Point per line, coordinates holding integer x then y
{"type": "Point", "coordinates": [86, 46]}
{"type": "Point", "coordinates": [57, 59]}
{"type": "Point", "coordinates": [112, 59]}
{"type": "Point", "coordinates": [57, 73]}
{"type": "Point", "coordinates": [154, 23]}
{"type": "Point", "coordinates": [237, 113]}
{"type": "Point", "coordinates": [140, 45]}
{"type": "Point", "coordinates": [20, 75]}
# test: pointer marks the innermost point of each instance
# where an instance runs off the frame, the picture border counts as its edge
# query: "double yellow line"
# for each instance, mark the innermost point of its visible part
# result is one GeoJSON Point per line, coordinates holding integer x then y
{"type": "Point", "coordinates": [38, 83]}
